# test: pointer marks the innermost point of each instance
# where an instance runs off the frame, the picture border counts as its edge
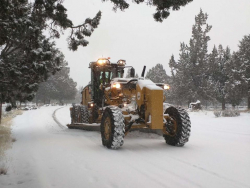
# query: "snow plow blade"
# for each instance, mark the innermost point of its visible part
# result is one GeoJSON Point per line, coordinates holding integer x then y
{"type": "Point", "coordinates": [96, 127]}
{"type": "Point", "coordinates": [86, 127]}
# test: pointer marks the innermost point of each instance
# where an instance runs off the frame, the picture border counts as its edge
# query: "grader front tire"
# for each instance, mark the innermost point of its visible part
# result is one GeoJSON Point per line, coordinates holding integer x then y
{"type": "Point", "coordinates": [180, 135]}
{"type": "Point", "coordinates": [112, 128]}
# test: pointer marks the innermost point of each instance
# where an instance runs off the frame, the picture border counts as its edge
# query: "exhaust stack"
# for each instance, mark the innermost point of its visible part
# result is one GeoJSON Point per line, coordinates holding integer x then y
{"type": "Point", "coordinates": [143, 71]}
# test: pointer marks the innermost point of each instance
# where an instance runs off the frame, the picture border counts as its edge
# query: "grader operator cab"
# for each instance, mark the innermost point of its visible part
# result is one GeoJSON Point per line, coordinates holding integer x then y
{"type": "Point", "coordinates": [118, 105]}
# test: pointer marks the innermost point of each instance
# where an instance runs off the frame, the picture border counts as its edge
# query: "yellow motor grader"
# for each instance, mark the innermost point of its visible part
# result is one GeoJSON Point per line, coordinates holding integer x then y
{"type": "Point", "coordinates": [117, 105]}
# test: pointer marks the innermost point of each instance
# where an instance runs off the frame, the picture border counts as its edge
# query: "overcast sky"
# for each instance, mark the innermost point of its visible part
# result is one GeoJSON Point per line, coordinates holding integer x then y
{"type": "Point", "coordinates": [133, 35]}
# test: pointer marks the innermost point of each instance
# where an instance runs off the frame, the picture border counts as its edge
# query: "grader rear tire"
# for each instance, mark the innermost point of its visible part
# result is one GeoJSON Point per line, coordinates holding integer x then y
{"type": "Point", "coordinates": [183, 127]}
{"type": "Point", "coordinates": [75, 114]}
{"type": "Point", "coordinates": [84, 114]}
{"type": "Point", "coordinates": [72, 115]}
{"type": "Point", "coordinates": [112, 128]}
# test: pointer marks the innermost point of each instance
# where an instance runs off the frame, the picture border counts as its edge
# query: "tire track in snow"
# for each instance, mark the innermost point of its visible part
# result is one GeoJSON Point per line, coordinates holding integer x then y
{"type": "Point", "coordinates": [56, 120]}
{"type": "Point", "coordinates": [234, 182]}
{"type": "Point", "coordinates": [157, 175]}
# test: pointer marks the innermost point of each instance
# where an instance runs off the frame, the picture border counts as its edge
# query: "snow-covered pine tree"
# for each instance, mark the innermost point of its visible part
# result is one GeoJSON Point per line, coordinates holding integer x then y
{"type": "Point", "coordinates": [157, 74]}
{"type": "Point", "coordinates": [191, 72]}
{"type": "Point", "coordinates": [218, 63]}
{"type": "Point", "coordinates": [198, 66]}
{"type": "Point", "coordinates": [24, 71]}
{"type": "Point", "coordinates": [234, 86]}
{"type": "Point", "coordinates": [172, 65]}
{"type": "Point", "coordinates": [173, 95]}
{"type": "Point", "coordinates": [244, 55]}
{"type": "Point", "coordinates": [27, 56]}
{"type": "Point", "coordinates": [22, 18]}
{"type": "Point", "coordinates": [182, 88]}
{"type": "Point", "coordinates": [162, 7]}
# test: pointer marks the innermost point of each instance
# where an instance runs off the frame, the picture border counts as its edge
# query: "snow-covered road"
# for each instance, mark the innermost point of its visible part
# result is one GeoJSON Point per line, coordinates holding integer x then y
{"type": "Point", "coordinates": [48, 155]}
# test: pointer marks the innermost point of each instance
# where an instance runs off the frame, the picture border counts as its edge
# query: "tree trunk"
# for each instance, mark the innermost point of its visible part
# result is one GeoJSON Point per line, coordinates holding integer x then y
{"type": "Point", "coordinates": [248, 96]}
{"type": "Point", "coordinates": [189, 101]}
{"type": "Point", "coordinates": [0, 111]}
{"type": "Point", "coordinates": [36, 100]}
{"type": "Point", "coordinates": [13, 103]}
{"type": "Point", "coordinates": [223, 104]}
{"type": "Point", "coordinates": [248, 106]}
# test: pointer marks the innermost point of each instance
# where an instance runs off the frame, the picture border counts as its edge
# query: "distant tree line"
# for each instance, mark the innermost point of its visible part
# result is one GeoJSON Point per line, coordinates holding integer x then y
{"type": "Point", "coordinates": [58, 87]}
{"type": "Point", "coordinates": [221, 75]}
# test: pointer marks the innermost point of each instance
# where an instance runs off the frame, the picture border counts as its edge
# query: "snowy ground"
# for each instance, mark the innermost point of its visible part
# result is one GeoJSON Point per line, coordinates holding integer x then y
{"type": "Point", "coordinates": [47, 155]}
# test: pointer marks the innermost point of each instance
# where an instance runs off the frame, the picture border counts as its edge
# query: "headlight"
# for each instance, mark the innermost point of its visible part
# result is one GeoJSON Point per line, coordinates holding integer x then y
{"type": "Point", "coordinates": [90, 105]}
{"type": "Point", "coordinates": [116, 85]}
{"type": "Point", "coordinates": [166, 86]}
{"type": "Point", "coordinates": [102, 61]}
{"type": "Point", "coordinates": [121, 62]}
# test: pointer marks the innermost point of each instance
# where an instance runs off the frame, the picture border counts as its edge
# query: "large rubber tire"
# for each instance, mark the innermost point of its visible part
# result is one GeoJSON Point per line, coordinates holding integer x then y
{"type": "Point", "coordinates": [72, 115]}
{"type": "Point", "coordinates": [84, 114]}
{"type": "Point", "coordinates": [112, 127]}
{"type": "Point", "coordinates": [183, 127]}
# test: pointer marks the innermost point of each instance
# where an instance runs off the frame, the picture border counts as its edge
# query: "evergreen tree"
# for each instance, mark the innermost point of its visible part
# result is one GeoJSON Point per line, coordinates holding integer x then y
{"type": "Point", "coordinates": [218, 75]}
{"type": "Point", "coordinates": [182, 88]}
{"type": "Point", "coordinates": [244, 55]}
{"type": "Point", "coordinates": [172, 65]}
{"type": "Point", "coordinates": [20, 19]}
{"type": "Point", "coordinates": [23, 72]}
{"type": "Point", "coordinates": [234, 86]}
{"type": "Point", "coordinates": [162, 6]}
{"type": "Point", "coordinates": [190, 74]}
{"type": "Point", "coordinates": [157, 74]}
{"type": "Point", "coordinates": [219, 61]}
{"type": "Point", "coordinates": [27, 56]}
{"type": "Point", "coordinates": [173, 94]}
{"type": "Point", "coordinates": [198, 67]}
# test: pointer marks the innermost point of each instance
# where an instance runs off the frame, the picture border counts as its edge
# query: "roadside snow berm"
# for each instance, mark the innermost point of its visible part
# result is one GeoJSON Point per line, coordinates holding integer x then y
{"type": "Point", "coordinates": [116, 105]}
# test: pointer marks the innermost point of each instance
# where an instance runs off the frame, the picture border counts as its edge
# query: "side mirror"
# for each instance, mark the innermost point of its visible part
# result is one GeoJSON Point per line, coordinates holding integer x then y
{"type": "Point", "coordinates": [132, 72]}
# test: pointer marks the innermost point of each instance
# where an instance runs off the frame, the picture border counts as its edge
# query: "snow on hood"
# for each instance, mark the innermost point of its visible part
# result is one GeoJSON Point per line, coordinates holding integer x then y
{"type": "Point", "coordinates": [142, 83]}
{"type": "Point", "coordinates": [148, 84]}
{"type": "Point", "coordinates": [121, 80]}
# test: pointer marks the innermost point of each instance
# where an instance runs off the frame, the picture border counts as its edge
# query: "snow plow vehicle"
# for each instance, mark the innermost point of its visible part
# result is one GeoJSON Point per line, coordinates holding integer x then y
{"type": "Point", "coordinates": [116, 105]}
